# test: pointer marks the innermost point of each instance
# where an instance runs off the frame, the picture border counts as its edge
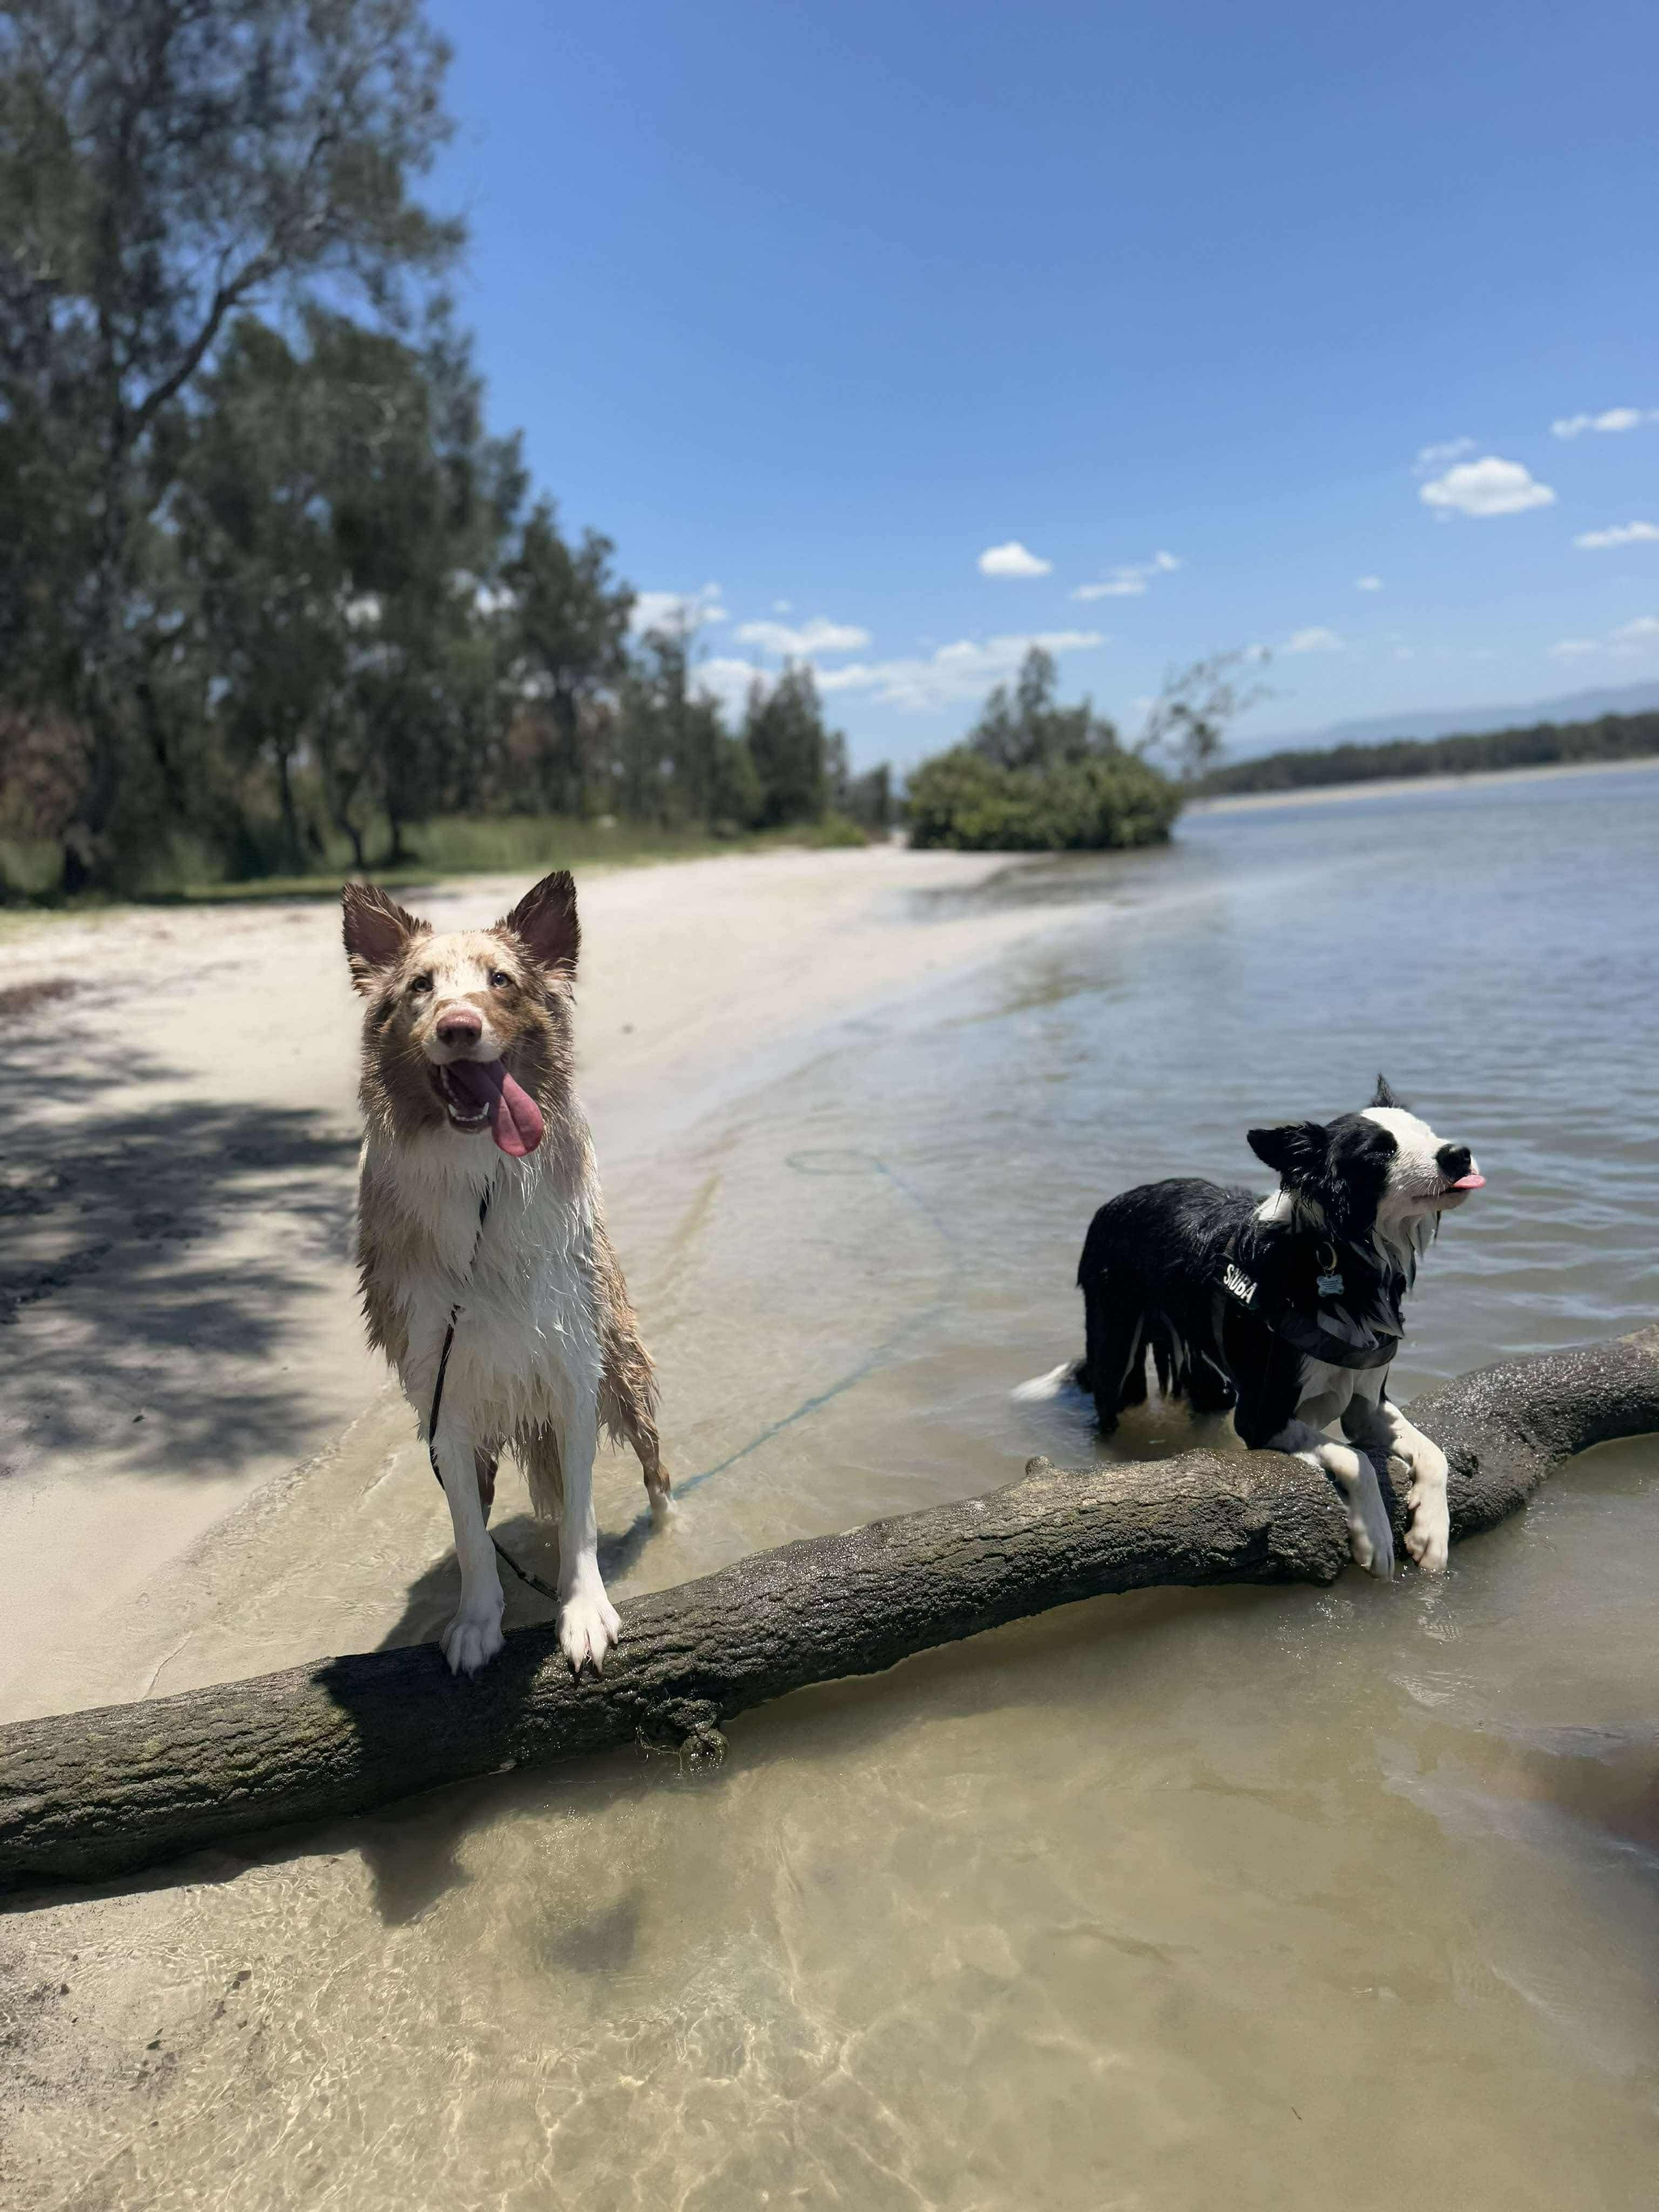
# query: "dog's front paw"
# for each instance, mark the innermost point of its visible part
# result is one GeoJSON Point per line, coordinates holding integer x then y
{"type": "Point", "coordinates": [1372, 1542]}
{"type": "Point", "coordinates": [1370, 1538]}
{"type": "Point", "coordinates": [472, 1639]}
{"type": "Point", "coordinates": [1428, 1539]}
{"type": "Point", "coordinates": [588, 1625]}
{"type": "Point", "coordinates": [1428, 1536]}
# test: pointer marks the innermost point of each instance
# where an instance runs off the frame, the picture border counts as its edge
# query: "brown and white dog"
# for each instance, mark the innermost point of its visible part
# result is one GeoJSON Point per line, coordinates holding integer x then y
{"type": "Point", "coordinates": [478, 1188]}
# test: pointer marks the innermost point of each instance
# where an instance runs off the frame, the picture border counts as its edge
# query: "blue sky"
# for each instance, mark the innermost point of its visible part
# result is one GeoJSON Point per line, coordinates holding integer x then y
{"type": "Point", "coordinates": [811, 308]}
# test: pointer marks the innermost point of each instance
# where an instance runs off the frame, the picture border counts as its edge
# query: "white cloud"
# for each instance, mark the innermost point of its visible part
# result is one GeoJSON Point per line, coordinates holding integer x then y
{"type": "Point", "coordinates": [814, 636]}
{"type": "Point", "coordinates": [1368, 583]}
{"type": "Point", "coordinates": [667, 609]}
{"type": "Point", "coordinates": [952, 673]}
{"type": "Point", "coordinates": [1012, 560]}
{"type": "Point", "coordinates": [1313, 640]}
{"type": "Point", "coordinates": [1130, 581]}
{"type": "Point", "coordinates": [1487, 486]}
{"type": "Point", "coordinates": [783, 606]}
{"type": "Point", "coordinates": [1631, 637]}
{"type": "Point", "coordinates": [1621, 533]}
{"type": "Point", "coordinates": [727, 678]}
{"type": "Point", "coordinates": [1429, 458]}
{"type": "Point", "coordinates": [1610, 418]}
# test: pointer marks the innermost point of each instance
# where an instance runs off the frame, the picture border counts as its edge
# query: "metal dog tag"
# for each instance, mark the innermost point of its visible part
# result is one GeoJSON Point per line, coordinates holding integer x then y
{"type": "Point", "coordinates": [1330, 1286]}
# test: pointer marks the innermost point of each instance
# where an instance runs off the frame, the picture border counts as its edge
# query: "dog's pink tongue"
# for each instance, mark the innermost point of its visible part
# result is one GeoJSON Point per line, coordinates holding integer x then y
{"type": "Point", "coordinates": [515, 1120]}
{"type": "Point", "coordinates": [1470, 1182]}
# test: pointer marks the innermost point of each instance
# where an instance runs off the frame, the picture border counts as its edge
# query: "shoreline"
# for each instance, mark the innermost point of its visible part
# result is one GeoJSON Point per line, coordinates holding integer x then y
{"type": "Point", "coordinates": [191, 1416]}
{"type": "Point", "coordinates": [1250, 802]}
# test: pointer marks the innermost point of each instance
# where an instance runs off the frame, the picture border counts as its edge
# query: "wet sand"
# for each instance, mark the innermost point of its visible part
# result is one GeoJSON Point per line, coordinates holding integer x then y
{"type": "Point", "coordinates": [184, 1336]}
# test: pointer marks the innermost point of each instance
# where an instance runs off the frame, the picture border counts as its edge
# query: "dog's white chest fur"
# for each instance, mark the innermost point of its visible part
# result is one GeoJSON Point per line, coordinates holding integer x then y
{"type": "Point", "coordinates": [527, 1333]}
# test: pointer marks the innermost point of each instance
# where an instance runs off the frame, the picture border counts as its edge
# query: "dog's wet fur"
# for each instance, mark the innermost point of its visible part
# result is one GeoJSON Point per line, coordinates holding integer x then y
{"type": "Point", "coordinates": [1375, 1182]}
{"type": "Point", "coordinates": [467, 1097]}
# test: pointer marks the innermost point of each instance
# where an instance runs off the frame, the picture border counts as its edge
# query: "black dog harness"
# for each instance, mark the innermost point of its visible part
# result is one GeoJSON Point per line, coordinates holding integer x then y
{"type": "Point", "coordinates": [1354, 1319]}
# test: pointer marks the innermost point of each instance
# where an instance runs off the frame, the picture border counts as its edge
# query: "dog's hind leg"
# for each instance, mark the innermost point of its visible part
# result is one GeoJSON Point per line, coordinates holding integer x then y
{"type": "Point", "coordinates": [1416, 1465]}
{"type": "Point", "coordinates": [628, 1383]}
{"type": "Point", "coordinates": [1115, 1356]}
{"type": "Point", "coordinates": [485, 1463]}
{"type": "Point", "coordinates": [628, 1412]}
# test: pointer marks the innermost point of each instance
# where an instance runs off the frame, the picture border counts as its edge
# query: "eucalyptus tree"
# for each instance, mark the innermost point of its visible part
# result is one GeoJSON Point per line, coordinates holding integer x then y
{"type": "Point", "coordinates": [1031, 730]}
{"type": "Point", "coordinates": [166, 166]}
{"type": "Point", "coordinates": [783, 728]}
{"type": "Point", "coordinates": [1188, 720]}
{"type": "Point", "coordinates": [567, 618]}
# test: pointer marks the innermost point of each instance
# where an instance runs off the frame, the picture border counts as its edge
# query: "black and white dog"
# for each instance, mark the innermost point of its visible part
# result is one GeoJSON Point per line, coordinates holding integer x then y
{"type": "Point", "coordinates": [1286, 1310]}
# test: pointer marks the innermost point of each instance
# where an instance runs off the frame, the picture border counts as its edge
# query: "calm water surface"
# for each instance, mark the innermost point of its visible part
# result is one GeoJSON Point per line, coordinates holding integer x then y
{"type": "Point", "coordinates": [1253, 1899]}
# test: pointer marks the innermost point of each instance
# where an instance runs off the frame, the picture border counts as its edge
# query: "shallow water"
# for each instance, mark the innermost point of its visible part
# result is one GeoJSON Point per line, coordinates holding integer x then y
{"type": "Point", "coordinates": [1254, 1897]}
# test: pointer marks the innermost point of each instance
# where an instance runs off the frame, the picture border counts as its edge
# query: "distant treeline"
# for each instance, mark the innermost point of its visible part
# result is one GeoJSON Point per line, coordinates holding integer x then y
{"type": "Point", "coordinates": [1611, 738]}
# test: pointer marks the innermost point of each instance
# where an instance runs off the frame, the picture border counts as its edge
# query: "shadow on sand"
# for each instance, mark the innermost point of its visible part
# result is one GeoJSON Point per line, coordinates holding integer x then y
{"type": "Point", "coordinates": [102, 1214]}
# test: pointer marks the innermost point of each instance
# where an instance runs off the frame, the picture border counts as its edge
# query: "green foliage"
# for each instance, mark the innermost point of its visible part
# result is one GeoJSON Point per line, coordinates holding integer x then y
{"type": "Point", "coordinates": [832, 831]}
{"type": "Point", "coordinates": [1030, 730]}
{"type": "Point", "coordinates": [963, 800]}
{"type": "Point", "coordinates": [163, 168]}
{"type": "Point", "coordinates": [783, 728]}
{"type": "Point", "coordinates": [268, 594]}
{"type": "Point", "coordinates": [1033, 776]}
{"type": "Point", "coordinates": [1539, 744]}
{"type": "Point", "coordinates": [567, 625]}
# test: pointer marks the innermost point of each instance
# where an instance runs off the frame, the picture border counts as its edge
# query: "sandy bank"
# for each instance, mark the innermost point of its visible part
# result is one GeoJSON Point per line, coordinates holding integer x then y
{"type": "Point", "coordinates": [1248, 802]}
{"type": "Point", "coordinates": [182, 1328]}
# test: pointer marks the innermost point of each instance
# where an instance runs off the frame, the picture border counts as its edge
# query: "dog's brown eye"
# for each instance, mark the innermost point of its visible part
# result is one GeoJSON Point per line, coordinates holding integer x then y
{"type": "Point", "coordinates": [419, 985]}
{"type": "Point", "coordinates": [499, 980]}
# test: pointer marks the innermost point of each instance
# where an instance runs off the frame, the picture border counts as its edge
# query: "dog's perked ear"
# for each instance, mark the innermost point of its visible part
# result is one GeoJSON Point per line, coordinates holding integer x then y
{"type": "Point", "coordinates": [1295, 1150]}
{"type": "Point", "coordinates": [377, 931]}
{"type": "Point", "coordinates": [1385, 1096]}
{"type": "Point", "coordinates": [545, 922]}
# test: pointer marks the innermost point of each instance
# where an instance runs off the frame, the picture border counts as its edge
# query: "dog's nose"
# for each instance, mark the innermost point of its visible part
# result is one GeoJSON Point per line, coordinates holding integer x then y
{"type": "Point", "coordinates": [459, 1025]}
{"type": "Point", "coordinates": [1452, 1160]}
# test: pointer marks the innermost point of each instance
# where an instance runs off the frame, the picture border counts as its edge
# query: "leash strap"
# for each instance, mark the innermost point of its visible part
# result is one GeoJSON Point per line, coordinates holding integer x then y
{"type": "Point", "coordinates": [531, 1581]}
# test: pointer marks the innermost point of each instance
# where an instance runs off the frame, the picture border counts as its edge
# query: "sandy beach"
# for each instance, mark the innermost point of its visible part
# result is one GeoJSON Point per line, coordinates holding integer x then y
{"type": "Point", "coordinates": [192, 1422]}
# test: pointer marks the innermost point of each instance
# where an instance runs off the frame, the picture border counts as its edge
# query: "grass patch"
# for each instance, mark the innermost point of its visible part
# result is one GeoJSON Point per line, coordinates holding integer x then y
{"type": "Point", "coordinates": [518, 845]}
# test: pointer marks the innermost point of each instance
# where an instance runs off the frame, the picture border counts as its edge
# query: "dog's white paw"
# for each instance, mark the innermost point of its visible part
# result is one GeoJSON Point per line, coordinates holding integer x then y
{"type": "Point", "coordinates": [1428, 1536]}
{"type": "Point", "coordinates": [472, 1639]}
{"type": "Point", "coordinates": [588, 1625]}
{"type": "Point", "coordinates": [1370, 1538]}
{"type": "Point", "coordinates": [1372, 1541]}
{"type": "Point", "coordinates": [1428, 1539]}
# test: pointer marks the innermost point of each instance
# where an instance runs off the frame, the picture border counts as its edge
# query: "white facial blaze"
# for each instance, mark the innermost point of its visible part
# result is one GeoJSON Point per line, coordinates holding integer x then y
{"type": "Point", "coordinates": [1417, 1182]}
{"type": "Point", "coordinates": [460, 970]}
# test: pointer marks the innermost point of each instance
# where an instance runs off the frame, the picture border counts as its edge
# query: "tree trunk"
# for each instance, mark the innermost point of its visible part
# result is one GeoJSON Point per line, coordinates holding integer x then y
{"type": "Point", "coordinates": [87, 1796]}
{"type": "Point", "coordinates": [290, 814]}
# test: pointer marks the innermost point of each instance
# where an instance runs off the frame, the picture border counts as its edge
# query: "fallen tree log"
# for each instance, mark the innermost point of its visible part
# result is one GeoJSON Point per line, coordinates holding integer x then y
{"type": "Point", "coordinates": [84, 1797]}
